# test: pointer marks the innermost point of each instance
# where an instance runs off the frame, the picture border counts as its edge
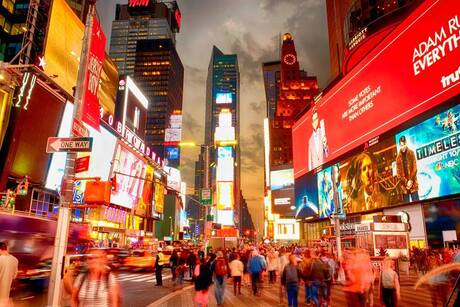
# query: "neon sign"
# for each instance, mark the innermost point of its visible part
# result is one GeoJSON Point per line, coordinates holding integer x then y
{"type": "Point", "coordinates": [135, 3]}
{"type": "Point", "coordinates": [25, 92]}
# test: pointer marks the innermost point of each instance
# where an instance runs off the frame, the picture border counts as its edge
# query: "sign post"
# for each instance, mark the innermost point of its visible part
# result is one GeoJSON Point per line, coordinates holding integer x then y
{"type": "Point", "coordinates": [66, 197]}
{"type": "Point", "coordinates": [206, 197]}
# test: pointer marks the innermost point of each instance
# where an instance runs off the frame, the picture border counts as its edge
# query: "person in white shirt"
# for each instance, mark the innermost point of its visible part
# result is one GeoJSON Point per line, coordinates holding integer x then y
{"type": "Point", "coordinates": [236, 270]}
{"type": "Point", "coordinates": [8, 272]}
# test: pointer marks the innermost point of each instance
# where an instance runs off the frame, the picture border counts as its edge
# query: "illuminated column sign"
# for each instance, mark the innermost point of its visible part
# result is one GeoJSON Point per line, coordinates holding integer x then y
{"type": "Point", "coordinates": [25, 92]}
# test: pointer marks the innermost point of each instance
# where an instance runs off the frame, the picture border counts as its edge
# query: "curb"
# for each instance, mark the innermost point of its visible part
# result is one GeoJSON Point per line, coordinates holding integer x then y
{"type": "Point", "coordinates": [170, 296]}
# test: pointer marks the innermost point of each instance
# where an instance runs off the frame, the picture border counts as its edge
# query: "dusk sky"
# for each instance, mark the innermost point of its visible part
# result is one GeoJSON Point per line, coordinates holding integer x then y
{"type": "Point", "coordinates": [251, 29]}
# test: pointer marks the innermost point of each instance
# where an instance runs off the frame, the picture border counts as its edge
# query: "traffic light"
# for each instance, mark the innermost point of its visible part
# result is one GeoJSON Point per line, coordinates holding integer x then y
{"type": "Point", "coordinates": [113, 183]}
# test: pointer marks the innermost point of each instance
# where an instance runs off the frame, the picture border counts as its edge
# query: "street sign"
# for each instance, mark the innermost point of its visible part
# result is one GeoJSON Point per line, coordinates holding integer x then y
{"type": "Point", "coordinates": [55, 144]}
{"type": "Point", "coordinates": [82, 164]}
{"type": "Point", "coordinates": [206, 197]}
{"type": "Point", "coordinates": [78, 129]}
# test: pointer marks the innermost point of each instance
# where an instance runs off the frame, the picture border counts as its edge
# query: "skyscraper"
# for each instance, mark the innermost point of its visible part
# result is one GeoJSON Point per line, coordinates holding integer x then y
{"type": "Point", "coordinates": [143, 46]}
{"type": "Point", "coordinates": [271, 71]}
{"type": "Point", "coordinates": [222, 133]}
{"type": "Point", "coordinates": [156, 20]}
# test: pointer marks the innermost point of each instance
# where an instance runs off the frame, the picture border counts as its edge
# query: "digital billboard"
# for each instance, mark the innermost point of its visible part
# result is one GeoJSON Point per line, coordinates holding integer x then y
{"type": "Point", "coordinates": [306, 197]}
{"type": "Point", "coordinates": [225, 169]}
{"type": "Point", "coordinates": [146, 198]}
{"type": "Point", "coordinates": [174, 178]}
{"type": "Point", "coordinates": [428, 157]}
{"type": "Point", "coordinates": [224, 134]}
{"type": "Point", "coordinates": [416, 64]}
{"type": "Point", "coordinates": [330, 192]}
{"type": "Point", "coordinates": [128, 168]}
{"type": "Point", "coordinates": [224, 195]}
{"type": "Point", "coordinates": [159, 199]}
{"type": "Point", "coordinates": [225, 152]}
{"type": "Point", "coordinates": [282, 189]}
{"type": "Point", "coordinates": [223, 98]}
{"type": "Point", "coordinates": [225, 217]}
{"type": "Point", "coordinates": [172, 152]}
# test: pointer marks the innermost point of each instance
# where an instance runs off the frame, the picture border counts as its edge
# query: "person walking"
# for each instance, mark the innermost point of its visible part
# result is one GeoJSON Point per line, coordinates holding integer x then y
{"type": "Point", "coordinates": [389, 289]}
{"type": "Point", "coordinates": [328, 271]}
{"type": "Point", "coordinates": [272, 265]}
{"type": "Point", "coordinates": [173, 262]}
{"type": "Point", "coordinates": [305, 268]}
{"type": "Point", "coordinates": [159, 267]}
{"type": "Point", "coordinates": [237, 271]}
{"type": "Point", "coordinates": [359, 277]}
{"type": "Point", "coordinates": [220, 271]}
{"type": "Point", "coordinates": [191, 261]}
{"type": "Point", "coordinates": [8, 272]}
{"type": "Point", "coordinates": [97, 286]}
{"type": "Point", "coordinates": [290, 279]}
{"type": "Point", "coordinates": [203, 280]}
{"type": "Point", "coordinates": [256, 265]}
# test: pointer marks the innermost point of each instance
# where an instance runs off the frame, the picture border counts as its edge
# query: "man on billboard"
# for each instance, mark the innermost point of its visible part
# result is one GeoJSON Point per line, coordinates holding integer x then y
{"type": "Point", "coordinates": [406, 168]}
{"type": "Point", "coordinates": [317, 144]}
{"type": "Point", "coordinates": [364, 189]}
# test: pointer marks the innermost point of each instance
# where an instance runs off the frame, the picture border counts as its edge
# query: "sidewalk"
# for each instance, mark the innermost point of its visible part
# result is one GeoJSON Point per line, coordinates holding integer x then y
{"type": "Point", "coordinates": [270, 296]}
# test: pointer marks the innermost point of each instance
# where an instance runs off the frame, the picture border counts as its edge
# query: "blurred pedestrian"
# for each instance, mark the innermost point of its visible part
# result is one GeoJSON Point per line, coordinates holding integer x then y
{"type": "Point", "coordinates": [359, 272]}
{"type": "Point", "coordinates": [191, 261]}
{"type": "Point", "coordinates": [290, 279]}
{"type": "Point", "coordinates": [305, 268]}
{"type": "Point", "coordinates": [97, 286]}
{"type": "Point", "coordinates": [203, 280]}
{"type": "Point", "coordinates": [220, 270]}
{"type": "Point", "coordinates": [272, 265]}
{"type": "Point", "coordinates": [256, 265]}
{"type": "Point", "coordinates": [328, 270]}
{"type": "Point", "coordinates": [173, 262]}
{"type": "Point", "coordinates": [180, 272]}
{"type": "Point", "coordinates": [237, 271]}
{"type": "Point", "coordinates": [389, 289]}
{"type": "Point", "coordinates": [8, 272]}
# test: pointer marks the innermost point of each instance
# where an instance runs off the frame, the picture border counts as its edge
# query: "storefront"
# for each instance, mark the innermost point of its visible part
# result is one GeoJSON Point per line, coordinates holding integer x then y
{"type": "Point", "coordinates": [388, 143]}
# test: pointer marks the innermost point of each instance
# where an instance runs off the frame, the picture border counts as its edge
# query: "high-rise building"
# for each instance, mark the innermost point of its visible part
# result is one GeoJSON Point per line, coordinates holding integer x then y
{"type": "Point", "coordinates": [289, 92]}
{"type": "Point", "coordinates": [80, 7]}
{"type": "Point", "coordinates": [155, 20]}
{"type": "Point", "coordinates": [222, 134]}
{"type": "Point", "coordinates": [159, 72]}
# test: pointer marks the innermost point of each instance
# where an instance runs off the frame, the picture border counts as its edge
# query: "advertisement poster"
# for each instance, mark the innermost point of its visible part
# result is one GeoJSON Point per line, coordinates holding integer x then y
{"type": "Point", "coordinates": [129, 169]}
{"type": "Point", "coordinates": [330, 192]}
{"type": "Point", "coordinates": [411, 80]}
{"type": "Point", "coordinates": [282, 187]}
{"type": "Point", "coordinates": [223, 98]}
{"type": "Point", "coordinates": [90, 102]}
{"type": "Point", "coordinates": [146, 199]}
{"type": "Point", "coordinates": [159, 199]}
{"type": "Point", "coordinates": [432, 167]}
{"type": "Point", "coordinates": [306, 195]}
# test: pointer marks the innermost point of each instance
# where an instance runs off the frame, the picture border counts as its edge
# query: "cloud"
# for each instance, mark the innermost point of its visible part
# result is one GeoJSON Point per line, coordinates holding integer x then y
{"type": "Point", "coordinates": [252, 149]}
{"type": "Point", "coordinates": [271, 5]}
{"type": "Point", "coordinates": [258, 107]}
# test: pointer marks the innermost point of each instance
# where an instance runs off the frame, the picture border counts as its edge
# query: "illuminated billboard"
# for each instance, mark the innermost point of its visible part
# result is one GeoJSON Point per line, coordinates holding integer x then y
{"type": "Point", "coordinates": [225, 119]}
{"type": "Point", "coordinates": [431, 150]}
{"type": "Point", "coordinates": [172, 152]}
{"type": "Point", "coordinates": [330, 192]}
{"type": "Point", "coordinates": [282, 188]}
{"type": "Point", "coordinates": [224, 152]}
{"type": "Point", "coordinates": [159, 199]}
{"type": "Point", "coordinates": [129, 169]}
{"type": "Point", "coordinates": [145, 203]}
{"type": "Point", "coordinates": [306, 197]}
{"type": "Point", "coordinates": [224, 195]}
{"type": "Point", "coordinates": [225, 217]}
{"type": "Point", "coordinates": [62, 55]}
{"type": "Point", "coordinates": [174, 178]}
{"type": "Point", "coordinates": [224, 134]}
{"type": "Point", "coordinates": [225, 169]}
{"type": "Point", "coordinates": [223, 98]}
{"type": "Point", "coordinates": [415, 65]}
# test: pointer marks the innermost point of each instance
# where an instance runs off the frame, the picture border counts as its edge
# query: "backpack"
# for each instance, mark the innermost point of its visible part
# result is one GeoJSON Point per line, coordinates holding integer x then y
{"type": "Point", "coordinates": [220, 267]}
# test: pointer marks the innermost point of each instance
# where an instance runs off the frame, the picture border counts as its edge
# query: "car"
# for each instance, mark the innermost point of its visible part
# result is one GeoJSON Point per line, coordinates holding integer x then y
{"type": "Point", "coordinates": [140, 259]}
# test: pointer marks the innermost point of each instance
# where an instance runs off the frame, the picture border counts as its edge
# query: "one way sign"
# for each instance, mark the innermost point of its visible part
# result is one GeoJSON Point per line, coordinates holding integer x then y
{"type": "Point", "coordinates": [55, 144]}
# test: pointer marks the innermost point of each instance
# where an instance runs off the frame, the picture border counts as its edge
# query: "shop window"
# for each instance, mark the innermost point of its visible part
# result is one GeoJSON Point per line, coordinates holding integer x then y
{"type": "Point", "coordinates": [44, 204]}
{"type": "Point", "coordinates": [18, 28]}
{"type": "Point", "coordinates": [9, 5]}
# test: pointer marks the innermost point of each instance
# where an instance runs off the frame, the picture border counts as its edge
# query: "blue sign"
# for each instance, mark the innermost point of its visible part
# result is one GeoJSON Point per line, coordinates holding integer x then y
{"type": "Point", "coordinates": [225, 152]}
{"type": "Point", "coordinates": [224, 98]}
{"type": "Point", "coordinates": [172, 153]}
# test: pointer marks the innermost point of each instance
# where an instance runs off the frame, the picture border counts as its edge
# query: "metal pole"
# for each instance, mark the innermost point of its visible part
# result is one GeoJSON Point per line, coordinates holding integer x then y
{"type": "Point", "coordinates": [207, 184]}
{"type": "Point", "coordinates": [338, 239]}
{"type": "Point", "coordinates": [66, 200]}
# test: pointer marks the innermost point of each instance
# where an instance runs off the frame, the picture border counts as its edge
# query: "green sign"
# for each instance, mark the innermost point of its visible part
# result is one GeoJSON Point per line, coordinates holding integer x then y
{"type": "Point", "coordinates": [206, 197]}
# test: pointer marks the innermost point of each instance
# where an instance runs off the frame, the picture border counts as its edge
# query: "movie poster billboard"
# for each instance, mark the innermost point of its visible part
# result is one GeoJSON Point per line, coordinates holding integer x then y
{"type": "Point", "coordinates": [282, 187]}
{"type": "Point", "coordinates": [146, 198]}
{"type": "Point", "coordinates": [330, 192]}
{"type": "Point", "coordinates": [428, 157]}
{"type": "Point", "coordinates": [306, 196]}
{"type": "Point", "coordinates": [129, 170]}
{"type": "Point", "coordinates": [417, 68]}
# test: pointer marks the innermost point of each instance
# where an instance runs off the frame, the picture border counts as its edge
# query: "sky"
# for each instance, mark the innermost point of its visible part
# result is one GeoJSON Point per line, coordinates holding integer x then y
{"type": "Point", "coordinates": [251, 29]}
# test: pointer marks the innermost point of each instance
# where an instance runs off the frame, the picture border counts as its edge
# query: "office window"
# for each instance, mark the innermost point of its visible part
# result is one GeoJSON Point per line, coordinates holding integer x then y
{"type": "Point", "coordinates": [9, 5]}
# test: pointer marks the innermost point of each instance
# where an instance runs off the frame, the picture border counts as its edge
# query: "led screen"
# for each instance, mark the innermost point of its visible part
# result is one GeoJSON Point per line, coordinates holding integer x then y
{"type": "Point", "coordinates": [282, 179]}
{"type": "Point", "coordinates": [428, 157]}
{"type": "Point", "coordinates": [174, 178]}
{"type": "Point", "coordinates": [146, 198]}
{"type": "Point", "coordinates": [225, 119]}
{"type": "Point", "coordinates": [159, 199]}
{"type": "Point", "coordinates": [306, 196]}
{"type": "Point", "coordinates": [224, 195]}
{"type": "Point", "coordinates": [224, 134]}
{"type": "Point", "coordinates": [225, 169]}
{"type": "Point", "coordinates": [128, 169]}
{"type": "Point", "coordinates": [410, 82]}
{"type": "Point", "coordinates": [223, 98]}
{"type": "Point", "coordinates": [172, 153]}
{"type": "Point", "coordinates": [224, 152]}
{"type": "Point", "coordinates": [225, 217]}
{"type": "Point", "coordinates": [330, 192]}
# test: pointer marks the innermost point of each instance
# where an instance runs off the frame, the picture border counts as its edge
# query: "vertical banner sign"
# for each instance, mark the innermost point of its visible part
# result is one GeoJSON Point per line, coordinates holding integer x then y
{"type": "Point", "coordinates": [90, 113]}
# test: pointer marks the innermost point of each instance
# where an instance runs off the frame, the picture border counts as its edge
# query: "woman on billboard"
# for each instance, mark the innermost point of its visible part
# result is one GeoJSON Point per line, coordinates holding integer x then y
{"type": "Point", "coordinates": [364, 191]}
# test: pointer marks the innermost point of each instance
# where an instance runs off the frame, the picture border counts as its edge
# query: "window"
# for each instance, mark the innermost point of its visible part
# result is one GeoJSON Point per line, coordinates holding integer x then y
{"type": "Point", "coordinates": [18, 28]}
{"type": "Point", "coordinates": [9, 5]}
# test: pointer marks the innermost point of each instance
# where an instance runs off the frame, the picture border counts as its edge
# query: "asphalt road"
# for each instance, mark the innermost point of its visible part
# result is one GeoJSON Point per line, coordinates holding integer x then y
{"type": "Point", "coordinates": [138, 289]}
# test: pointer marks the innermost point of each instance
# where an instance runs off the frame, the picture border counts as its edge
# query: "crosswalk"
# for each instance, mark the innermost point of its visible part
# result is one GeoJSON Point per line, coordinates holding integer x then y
{"type": "Point", "coordinates": [140, 277]}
